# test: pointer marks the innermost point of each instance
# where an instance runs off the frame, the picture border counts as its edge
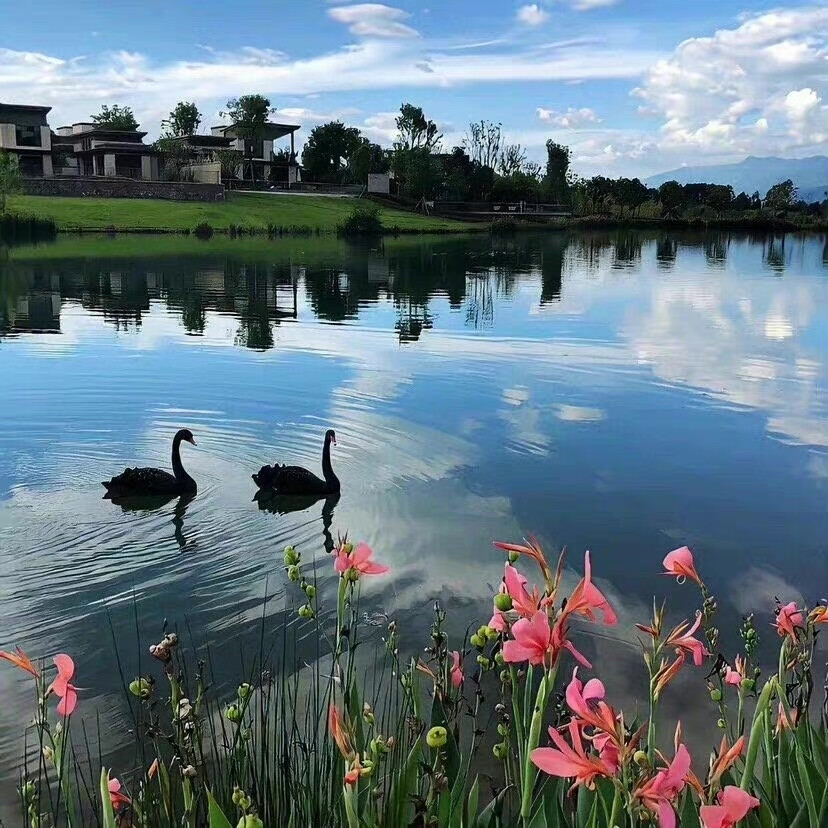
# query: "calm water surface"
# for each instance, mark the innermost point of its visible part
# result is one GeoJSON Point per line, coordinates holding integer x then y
{"type": "Point", "coordinates": [623, 393]}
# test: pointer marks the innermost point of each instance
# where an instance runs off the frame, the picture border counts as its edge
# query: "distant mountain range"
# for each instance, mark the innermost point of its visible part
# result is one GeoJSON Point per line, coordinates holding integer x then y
{"type": "Point", "coordinates": [809, 175]}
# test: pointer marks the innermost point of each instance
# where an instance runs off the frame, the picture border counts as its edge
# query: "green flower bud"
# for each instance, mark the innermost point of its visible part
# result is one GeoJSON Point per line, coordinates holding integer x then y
{"type": "Point", "coordinates": [721, 724]}
{"type": "Point", "coordinates": [716, 694]}
{"type": "Point", "coordinates": [233, 713]}
{"type": "Point", "coordinates": [748, 685]}
{"type": "Point", "coordinates": [436, 737]}
{"type": "Point", "coordinates": [502, 730]}
{"type": "Point", "coordinates": [140, 688]}
{"type": "Point", "coordinates": [293, 573]}
{"type": "Point", "coordinates": [491, 634]}
{"type": "Point", "coordinates": [505, 677]}
{"type": "Point", "coordinates": [640, 758]}
{"type": "Point", "coordinates": [28, 791]}
{"type": "Point", "coordinates": [310, 590]}
{"type": "Point", "coordinates": [513, 557]}
{"type": "Point", "coordinates": [305, 611]}
{"type": "Point", "coordinates": [244, 691]}
{"type": "Point", "coordinates": [500, 751]}
{"type": "Point", "coordinates": [237, 795]}
{"type": "Point", "coordinates": [478, 642]}
{"type": "Point", "coordinates": [250, 821]}
{"type": "Point", "coordinates": [484, 662]}
{"type": "Point", "coordinates": [352, 575]}
{"type": "Point", "coordinates": [291, 556]}
{"type": "Point", "coordinates": [503, 601]}
{"type": "Point", "coordinates": [499, 660]}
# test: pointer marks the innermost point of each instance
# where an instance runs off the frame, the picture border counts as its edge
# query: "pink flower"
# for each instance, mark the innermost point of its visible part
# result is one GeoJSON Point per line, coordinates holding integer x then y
{"type": "Point", "coordinates": [456, 669]}
{"type": "Point", "coordinates": [608, 751]}
{"type": "Point", "coordinates": [734, 805]}
{"type": "Point", "coordinates": [116, 797]}
{"type": "Point", "coordinates": [659, 792]}
{"type": "Point", "coordinates": [679, 562]}
{"type": "Point", "coordinates": [498, 622]}
{"type": "Point", "coordinates": [587, 599]}
{"type": "Point", "coordinates": [682, 639]}
{"type": "Point", "coordinates": [586, 701]}
{"type": "Point", "coordinates": [788, 620]}
{"type": "Point", "coordinates": [727, 756]}
{"type": "Point", "coordinates": [532, 640]}
{"type": "Point", "coordinates": [560, 642]}
{"type": "Point", "coordinates": [525, 604]}
{"type": "Point", "coordinates": [737, 675]}
{"type": "Point", "coordinates": [359, 560]}
{"type": "Point", "coordinates": [565, 761]}
{"type": "Point", "coordinates": [62, 686]}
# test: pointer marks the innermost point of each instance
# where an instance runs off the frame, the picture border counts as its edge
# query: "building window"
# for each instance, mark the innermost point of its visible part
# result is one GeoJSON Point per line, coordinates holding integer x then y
{"type": "Point", "coordinates": [27, 136]}
{"type": "Point", "coordinates": [30, 165]}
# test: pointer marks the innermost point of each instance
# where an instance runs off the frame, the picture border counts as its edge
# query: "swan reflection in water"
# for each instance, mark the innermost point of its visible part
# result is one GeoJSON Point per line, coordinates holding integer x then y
{"type": "Point", "coordinates": [278, 504]}
{"type": "Point", "coordinates": [154, 503]}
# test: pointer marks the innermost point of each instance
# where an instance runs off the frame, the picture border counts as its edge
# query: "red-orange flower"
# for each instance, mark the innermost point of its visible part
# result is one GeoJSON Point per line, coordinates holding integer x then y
{"type": "Point", "coordinates": [727, 756]}
{"type": "Point", "coordinates": [788, 620]}
{"type": "Point", "coordinates": [587, 599]}
{"type": "Point", "coordinates": [21, 660]}
{"type": "Point", "coordinates": [680, 563]}
{"type": "Point", "coordinates": [341, 733]}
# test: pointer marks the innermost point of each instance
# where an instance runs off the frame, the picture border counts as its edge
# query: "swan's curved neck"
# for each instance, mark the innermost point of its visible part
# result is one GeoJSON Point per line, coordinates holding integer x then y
{"type": "Point", "coordinates": [177, 466]}
{"type": "Point", "coordinates": [327, 468]}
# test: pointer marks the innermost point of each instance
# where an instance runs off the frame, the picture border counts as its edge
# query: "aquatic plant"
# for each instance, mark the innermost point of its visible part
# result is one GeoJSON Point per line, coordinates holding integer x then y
{"type": "Point", "coordinates": [400, 744]}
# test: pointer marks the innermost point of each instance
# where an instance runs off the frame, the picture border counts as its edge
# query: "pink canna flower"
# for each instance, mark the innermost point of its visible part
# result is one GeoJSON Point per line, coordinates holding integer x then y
{"type": "Point", "coordinates": [532, 640]}
{"type": "Point", "coordinates": [586, 701]}
{"type": "Point", "coordinates": [525, 604]}
{"type": "Point", "coordinates": [784, 721]}
{"type": "Point", "coordinates": [734, 805]}
{"type": "Point", "coordinates": [788, 620]}
{"type": "Point", "coordinates": [341, 733]}
{"type": "Point", "coordinates": [608, 751]}
{"type": "Point", "coordinates": [115, 796]}
{"type": "Point", "coordinates": [498, 622]}
{"type": "Point", "coordinates": [565, 761]}
{"type": "Point", "coordinates": [660, 792]}
{"type": "Point", "coordinates": [736, 675]}
{"type": "Point", "coordinates": [62, 686]}
{"type": "Point", "coordinates": [680, 563]}
{"type": "Point", "coordinates": [456, 669]}
{"type": "Point", "coordinates": [561, 642]}
{"type": "Point", "coordinates": [587, 599]}
{"type": "Point", "coordinates": [682, 639]}
{"type": "Point", "coordinates": [359, 559]}
{"type": "Point", "coordinates": [727, 756]}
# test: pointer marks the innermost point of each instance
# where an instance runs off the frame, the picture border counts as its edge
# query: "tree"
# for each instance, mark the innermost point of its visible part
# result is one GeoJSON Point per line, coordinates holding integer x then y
{"type": "Point", "coordinates": [512, 159]}
{"type": "Point", "coordinates": [483, 143]}
{"type": "Point", "coordinates": [415, 131]}
{"type": "Point", "coordinates": [630, 192]}
{"type": "Point", "coordinates": [556, 181]}
{"type": "Point", "coordinates": [719, 197]}
{"type": "Point", "coordinates": [780, 197]}
{"type": "Point", "coordinates": [116, 117]}
{"type": "Point", "coordinates": [249, 114]}
{"type": "Point", "coordinates": [183, 120]}
{"type": "Point", "coordinates": [10, 182]}
{"type": "Point", "coordinates": [327, 151]}
{"type": "Point", "coordinates": [175, 157]}
{"type": "Point", "coordinates": [366, 158]}
{"type": "Point", "coordinates": [230, 160]}
{"type": "Point", "coordinates": [671, 196]}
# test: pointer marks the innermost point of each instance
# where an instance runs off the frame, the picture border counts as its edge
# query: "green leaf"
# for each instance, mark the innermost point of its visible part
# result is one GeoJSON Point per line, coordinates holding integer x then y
{"type": "Point", "coordinates": [472, 803]}
{"type": "Point", "coordinates": [217, 817]}
{"type": "Point", "coordinates": [493, 810]}
{"type": "Point", "coordinates": [805, 780]}
{"type": "Point", "coordinates": [107, 811]}
{"type": "Point", "coordinates": [688, 812]}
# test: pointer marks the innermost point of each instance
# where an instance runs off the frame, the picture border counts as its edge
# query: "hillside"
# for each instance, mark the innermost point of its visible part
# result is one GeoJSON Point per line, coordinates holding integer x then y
{"type": "Point", "coordinates": [754, 174]}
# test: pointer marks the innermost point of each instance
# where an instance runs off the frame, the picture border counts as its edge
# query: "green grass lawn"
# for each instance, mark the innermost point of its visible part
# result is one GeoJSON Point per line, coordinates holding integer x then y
{"type": "Point", "coordinates": [244, 209]}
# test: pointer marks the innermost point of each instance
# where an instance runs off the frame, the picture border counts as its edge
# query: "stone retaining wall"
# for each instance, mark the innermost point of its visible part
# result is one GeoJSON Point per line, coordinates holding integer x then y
{"type": "Point", "coordinates": [123, 188]}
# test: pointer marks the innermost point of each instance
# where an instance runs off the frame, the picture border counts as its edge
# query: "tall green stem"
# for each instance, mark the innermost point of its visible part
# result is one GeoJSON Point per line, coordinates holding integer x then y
{"type": "Point", "coordinates": [529, 770]}
{"type": "Point", "coordinates": [756, 731]}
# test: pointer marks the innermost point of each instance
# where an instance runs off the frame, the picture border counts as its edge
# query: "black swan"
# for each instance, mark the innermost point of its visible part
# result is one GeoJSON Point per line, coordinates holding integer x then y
{"type": "Point", "coordinates": [294, 480]}
{"type": "Point", "coordinates": [143, 482]}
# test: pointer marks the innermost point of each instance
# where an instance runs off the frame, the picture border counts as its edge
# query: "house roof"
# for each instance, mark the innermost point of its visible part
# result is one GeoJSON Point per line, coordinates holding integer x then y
{"type": "Point", "coordinates": [272, 130]}
{"type": "Point", "coordinates": [25, 107]}
{"type": "Point", "coordinates": [119, 147]}
{"type": "Point", "coordinates": [100, 128]}
{"type": "Point", "coordinates": [203, 140]}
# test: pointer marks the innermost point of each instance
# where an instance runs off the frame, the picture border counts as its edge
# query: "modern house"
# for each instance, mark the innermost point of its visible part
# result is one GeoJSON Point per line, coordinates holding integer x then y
{"type": "Point", "coordinates": [88, 149]}
{"type": "Point", "coordinates": [25, 133]}
{"type": "Point", "coordinates": [267, 165]}
{"type": "Point", "coordinates": [202, 154]}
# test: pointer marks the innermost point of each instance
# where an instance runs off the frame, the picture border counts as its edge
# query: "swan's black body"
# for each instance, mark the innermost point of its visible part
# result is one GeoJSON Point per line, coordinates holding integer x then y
{"type": "Point", "coordinates": [294, 480]}
{"type": "Point", "coordinates": [154, 482]}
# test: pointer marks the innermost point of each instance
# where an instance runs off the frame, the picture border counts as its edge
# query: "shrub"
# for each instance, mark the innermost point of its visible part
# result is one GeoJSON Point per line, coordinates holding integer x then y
{"type": "Point", "coordinates": [364, 220]}
{"type": "Point", "coordinates": [204, 230]}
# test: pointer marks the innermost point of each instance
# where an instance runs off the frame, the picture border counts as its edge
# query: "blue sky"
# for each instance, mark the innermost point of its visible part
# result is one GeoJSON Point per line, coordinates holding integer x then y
{"type": "Point", "coordinates": [633, 86]}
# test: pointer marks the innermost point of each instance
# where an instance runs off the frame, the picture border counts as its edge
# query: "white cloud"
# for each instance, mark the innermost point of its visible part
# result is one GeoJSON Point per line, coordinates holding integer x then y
{"type": "Point", "coordinates": [756, 88]}
{"type": "Point", "coordinates": [586, 5]}
{"type": "Point", "coordinates": [571, 119]}
{"type": "Point", "coordinates": [373, 20]}
{"type": "Point", "coordinates": [532, 15]}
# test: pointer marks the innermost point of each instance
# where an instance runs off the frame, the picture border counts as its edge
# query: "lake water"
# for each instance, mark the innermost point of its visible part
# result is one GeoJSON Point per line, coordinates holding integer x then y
{"type": "Point", "coordinates": [626, 393]}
